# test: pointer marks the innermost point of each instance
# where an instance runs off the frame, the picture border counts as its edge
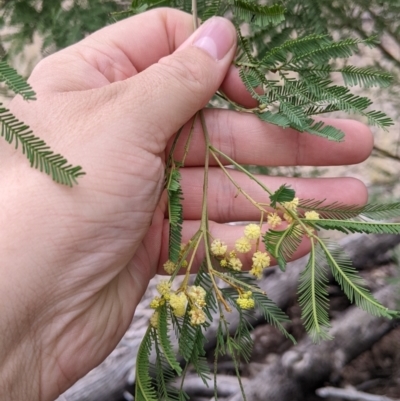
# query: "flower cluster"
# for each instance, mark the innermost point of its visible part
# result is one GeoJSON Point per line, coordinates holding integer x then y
{"type": "Point", "coordinates": [245, 300]}
{"type": "Point", "coordinates": [197, 299]}
{"type": "Point", "coordinates": [169, 266]}
{"type": "Point", "coordinates": [312, 215]}
{"type": "Point", "coordinates": [261, 260]}
{"type": "Point", "coordinates": [177, 301]}
{"type": "Point", "coordinates": [290, 207]}
{"type": "Point", "coordinates": [194, 295]}
{"type": "Point", "coordinates": [252, 234]}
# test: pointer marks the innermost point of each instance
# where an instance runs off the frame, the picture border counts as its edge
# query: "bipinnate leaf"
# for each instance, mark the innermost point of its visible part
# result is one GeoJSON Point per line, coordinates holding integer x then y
{"type": "Point", "coordinates": [351, 282]}
{"type": "Point", "coordinates": [255, 13]}
{"type": "Point", "coordinates": [313, 295]}
{"type": "Point", "coordinates": [347, 226]}
{"type": "Point", "coordinates": [16, 82]}
{"type": "Point", "coordinates": [341, 211]}
{"type": "Point", "coordinates": [283, 244]}
{"type": "Point", "coordinates": [144, 390]}
{"type": "Point", "coordinates": [165, 341]}
{"type": "Point", "coordinates": [175, 212]}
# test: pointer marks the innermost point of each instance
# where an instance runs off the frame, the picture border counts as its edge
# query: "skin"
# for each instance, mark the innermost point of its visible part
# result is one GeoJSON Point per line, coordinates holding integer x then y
{"type": "Point", "coordinates": [75, 262]}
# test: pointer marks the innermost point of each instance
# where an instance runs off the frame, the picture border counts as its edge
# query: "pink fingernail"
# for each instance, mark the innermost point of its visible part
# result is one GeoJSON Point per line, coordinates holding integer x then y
{"type": "Point", "coordinates": [216, 37]}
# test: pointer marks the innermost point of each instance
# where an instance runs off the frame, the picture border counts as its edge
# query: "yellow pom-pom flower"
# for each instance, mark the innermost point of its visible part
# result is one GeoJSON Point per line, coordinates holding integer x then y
{"type": "Point", "coordinates": [197, 295]}
{"type": "Point", "coordinates": [197, 317]}
{"type": "Point", "coordinates": [235, 264]}
{"type": "Point", "coordinates": [245, 301]}
{"type": "Point", "coordinates": [312, 215]}
{"type": "Point", "coordinates": [178, 304]}
{"type": "Point", "coordinates": [218, 247]}
{"type": "Point", "coordinates": [261, 260]}
{"type": "Point", "coordinates": [256, 272]}
{"type": "Point", "coordinates": [223, 263]}
{"type": "Point", "coordinates": [154, 319]}
{"type": "Point", "coordinates": [274, 220]}
{"type": "Point", "coordinates": [164, 288]}
{"type": "Point", "coordinates": [243, 245]}
{"type": "Point", "coordinates": [169, 266]}
{"type": "Point", "coordinates": [252, 231]}
{"type": "Point", "coordinates": [292, 205]}
{"type": "Point", "coordinates": [156, 302]}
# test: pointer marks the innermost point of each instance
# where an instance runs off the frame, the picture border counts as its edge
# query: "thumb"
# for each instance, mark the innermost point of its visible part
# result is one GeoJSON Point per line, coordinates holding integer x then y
{"type": "Point", "coordinates": [171, 91]}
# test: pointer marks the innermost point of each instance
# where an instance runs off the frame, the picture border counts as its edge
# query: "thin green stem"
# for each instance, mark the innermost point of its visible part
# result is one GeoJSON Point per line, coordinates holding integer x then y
{"type": "Point", "coordinates": [239, 167]}
{"type": "Point", "coordinates": [204, 212]}
{"type": "Point", "coordinates": [244, 193]}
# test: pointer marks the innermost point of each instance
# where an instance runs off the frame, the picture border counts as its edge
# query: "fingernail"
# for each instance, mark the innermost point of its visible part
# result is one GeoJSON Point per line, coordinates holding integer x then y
{"type": "Point", "coordinates": [216, 37]}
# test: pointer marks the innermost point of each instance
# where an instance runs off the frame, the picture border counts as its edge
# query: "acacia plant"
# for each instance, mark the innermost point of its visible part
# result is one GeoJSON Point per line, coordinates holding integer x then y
{"type": "Point", "coordinates": [291, 80]}
{"type": "Point", "coordinates": [290, 77]}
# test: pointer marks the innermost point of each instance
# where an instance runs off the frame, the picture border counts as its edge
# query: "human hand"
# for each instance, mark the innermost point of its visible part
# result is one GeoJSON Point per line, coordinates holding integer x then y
{"type": "Point", "coordinates": [75, 262]}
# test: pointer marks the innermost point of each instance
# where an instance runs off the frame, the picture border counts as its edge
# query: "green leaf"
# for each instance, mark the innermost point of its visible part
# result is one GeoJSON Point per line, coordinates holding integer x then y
{"type": "Point", "coordinates": [36, 150]}
{"type": "Point", "coordinates": [262, 15]}
{"type": "Point", "coordinates": [15, 82]}
{"type": "Point", "coordinates": [350, 281]}
{"type": "Point", "coordinates": [281, 195]}
{"type": "Point", "coordinates": [175, 213]}
{"type": "Point", "coordinates": [356, 226]}
{"type": "Point", "coordinates": [164, 375]}
{"type": "Point", "coordinates": [283, 244]}
{"type": "Point", "coordinates": [165, 341]}
{"type": "Point", "coordinates": [272, 313]}
{"type": "Point", "coordinates": [341, 211]}
{"type": "Point", "coordinates": [366, 77]}
{"type": "Point", "coordinates": [296, 47]}
{"type": "Point", "coordinates": [340, 49]}
{"type": "Point", "coordinates": [313, 296]}
{"type": "Point", "coordinates": [274, 118]}
{"type": "Point", "coordinates": [326, 131]}
{"type": "Point", "coordinates": [144, 390]}
{"type": "Point", "coordinates": [381, 211]}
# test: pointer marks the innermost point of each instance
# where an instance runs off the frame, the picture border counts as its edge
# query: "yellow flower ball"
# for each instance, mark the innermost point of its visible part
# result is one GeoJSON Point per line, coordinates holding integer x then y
{"type": "Point", "coordinates": [218, 247]}
{"type": "Point", "coordinates": [274, 220]}
{"type": "Point", "coordinates": [311, 215]}
{"type": "Point", "coordinates": [252, 231]}
{"type": "Point", "coordinates": [169, 266]}
{"type": "Point", "coordinates": [243, 245]}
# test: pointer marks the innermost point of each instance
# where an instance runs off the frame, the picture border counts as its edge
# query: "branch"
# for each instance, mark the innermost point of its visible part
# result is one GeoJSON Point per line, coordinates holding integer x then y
{"type": "Point", "coordinates": [349, 394]}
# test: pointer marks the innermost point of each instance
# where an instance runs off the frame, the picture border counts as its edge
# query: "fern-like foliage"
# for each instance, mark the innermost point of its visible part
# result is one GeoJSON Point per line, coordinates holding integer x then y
{"type": "Point", "coordinates": [283, 244]}
{"type": "Point", "coordinates": [292, 81]}
{"type": "Point", "coordinates": [357, 226]}
{"type": "Point", "coordinates": [175, 213]}
{"type": "Point", "coordinates": [144, 389]}
{"type": "Point", "coordinates": [339, 211]}
{"type": "Point", "coordinates": [165, 341]}
{"type": "Point", "coordinates": [282, 194]}
{"type": "Point", "coordinates": [351, 282]}
{"type": "Point", "coordinates": [15, 82]}
{"type": "Point", "coordinates": [252, 12]}
{"type": "Point", "coordinates": [36, 150]}
{"type": "Point", "coordinates": [313, 296]}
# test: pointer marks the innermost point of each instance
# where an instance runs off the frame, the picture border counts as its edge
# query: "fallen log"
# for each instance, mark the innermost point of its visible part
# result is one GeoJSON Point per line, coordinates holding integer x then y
{"type": "Point", "coordinates": [350, 394]}
{"type": "Point", "coordinates": [306, 366]}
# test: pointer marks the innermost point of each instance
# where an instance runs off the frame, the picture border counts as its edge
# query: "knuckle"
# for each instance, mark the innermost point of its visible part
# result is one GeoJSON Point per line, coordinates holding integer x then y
{"type": "Point", "coordinates": [188, 71]}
